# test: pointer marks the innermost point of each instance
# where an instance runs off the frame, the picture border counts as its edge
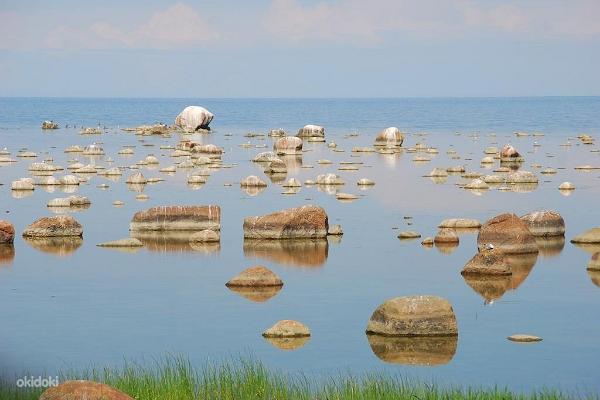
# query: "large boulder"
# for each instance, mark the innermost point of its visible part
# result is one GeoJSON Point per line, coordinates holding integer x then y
{"type": "Point", "coordinates": [57, 226]}
{"type": "Point", "coordinates": [545, 223]}
{"type": "Point", "coordinates": [255, 277]}
{"type": "Point", "coordinates": [389, 137]}
{"type": "Point", "coordinates": [177, 218]}
{"type": "Point", "coordinates": [414, 316]}
{"type": "Point", "coordinates": [311, 131]}
{"type": "Point", "coordinates": [589, 236]}
{"type": "Point", "coordinates": [7, 232]}
{"type": "Point", "coordinates": [83, 390]}
{"type": "Point", "coordinates": [193, 118]}
{"type": "Point", "coordinates": [294, 223]}
{"type": "Point", "coordinates": [508, 233]}
{"type": "Point", "coordinates": [487, 262]}
{"type": "Point", "coordinates": [288, 145]}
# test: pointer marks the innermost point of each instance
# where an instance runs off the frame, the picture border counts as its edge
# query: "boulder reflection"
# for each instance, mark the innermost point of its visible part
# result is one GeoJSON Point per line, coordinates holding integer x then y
{"type": "Point", "coordinates": [550, 246]}
{"type": "Point", "coordinates": [59, 246]}
{"type": "Point", "coordinates": [7, 254]}
{"type": "Point", "coordinates": [292, 343]}
{"type": "Point", "coordinates": [174, 242]}
{"type": "Point", "coordinates": [294, 252]}
{"type": "Point", "coordinates": [428, 351]}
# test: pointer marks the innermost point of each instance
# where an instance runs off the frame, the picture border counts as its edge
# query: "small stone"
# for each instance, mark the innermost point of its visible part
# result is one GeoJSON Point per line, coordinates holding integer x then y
{"type": "Point", "coordinates": [428, 241]}
{"type": "Point", "coordinates": [7, 232]}
{"type": "Point", "coordinates": [257, 276]}
{"type": "Point", "coordinates": [346, 196]}
{"type": "Point", "coordinates": [335, 230]}
{"type": "Point", "coordinates": [589, 236]}
{"type": "Point", "coordinates": [446, 235]}
{"type": "Point", "coordinates": [409, 235]}
{"type": "Point", "coordinates": [252, 181]}
{"type": "Point", "coordinates": [460, 223]}
{"type": "Point", "coordinates": [523, 338]}
{"type": "Point", "coordinates": [127, 242]}
{"type": "Point", "coordinates": [287, 328]}
{"type": "Point", "coordinates": [566, 186]}
{"type": "Point", "coordinates": [365, 182]}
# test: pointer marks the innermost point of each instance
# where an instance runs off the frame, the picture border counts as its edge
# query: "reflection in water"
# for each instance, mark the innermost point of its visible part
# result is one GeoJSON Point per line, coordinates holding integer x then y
{"type": "Point", "coordinates": [446, 248]}
{"type": "Point", "coordinates": [253, 190]}
{"type": "Point", "coordinates": [438, 180]}
{"type": "Point", "coordinates": [550, 246]}
{"type": "Point", "coordinates": [335, 239]}
{"type": "Point", "coordinates": [492, 287]}
{"type": "Point", "coordinates": [60, 246]}
{"type": "Point", "coordinates": [328, 189]}
{"type": "Point", "coordinates": [277, 178]}
{"type": "Point", "coordinates": [293, 163]}
{"type": "Point", "coordinates": [589, 247]}
{"type": "Point", "coordinates": [295, 252]}
{"type": "Point", "coordinates": [7, 254]}
{"type": "Point", "coordinates": [256, 294]}
{"type": "Point", "coordinates": [594, 276]}
{"type": "Point", "coordinates": [136, 187]}
{"type": "Point", "coordinates": [430, 350]}
{"type": "Point", "coordinates": [522, 187]}
{"type": "Point", "coordinates": [292, 343]}
{"type": "Point", "coordinates": [21, 194]}
{"type": "Point", "coordinates": [169, 242]}
{"type": "Point", "coordinates": [63, 210]}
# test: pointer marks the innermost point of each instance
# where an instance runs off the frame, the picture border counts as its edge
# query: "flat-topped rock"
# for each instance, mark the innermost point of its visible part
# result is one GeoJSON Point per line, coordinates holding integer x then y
{"type": "Point", "coordinates": [589, 236]}
{"type": "Point", "coordinates": [413, 316]}
{"type": "Point", "coordinates": [524, 338]}
{"type": "Point", "coordinates": [487, 262]}
{"type": "Point", "coordinates": [287, 328]}
{"type": "Point", "coordinates": [56, 226]}
{"type": "Point", "coordinates": [177, 218]}
{"type": "Point", "coordinates": [409, 235]}
{"type": "Point", "coordinates": [83, 390]}
{"type": "Point", "coordinates": [460, 223]}
{"type": "Point", "coordinates": [508, 233]}
{"type": "Point", "coordinates": [301, 222]}
{"type": "Point", "coordinates": [255, 277]}
{"type": "Point", "coordinates": [545, 223]}
{"type": "Point", "coordinates": [126, 242]}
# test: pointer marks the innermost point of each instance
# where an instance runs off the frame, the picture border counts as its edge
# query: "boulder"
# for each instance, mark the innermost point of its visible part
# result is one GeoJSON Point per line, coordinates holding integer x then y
{"type": "Point", "coordinates": [409, 235]}
{"type": "Point", "coordinates": [22, 184]}
{"type": "Point", "coordinates": [265, 156]}
{"type": "Point", "coordinates": [335, 230]}
{"type": "Point", "coordinates": [177, 218]}
{"type": "Point", "coordinates": [566, 186]}
{"type": "Point", "coordinates": [49, 125]}
{"type": "Point", "coordinates": [255, 277]}
{"type": "Point", "coordinates": [545, 223]}
{"type": "Point", "coordinates": [509, 151]}
{"type": "Point", "coordinates": [83, 390]}
{"type": "Point", "coordinates": [488, 263]}
{"type": "Point", "coordinates": [311, 131]}
{"type": "Point", "coordinates": [278, 132]}
{"type": "Point", "coordinates": [127, 242]}
{"type": "Point", "coordinates": [414, 316]}
{"type": "Point", "coordinates": [287, 328]}
{"type": "Point", "coordinates": [252, 181]}
{"type": "Point", "coordinates": [477, 184]}
{"type": "Point", "coordinates": [7, 232]}
{"type": "Point", "coordinates": [194, 118]}
{"type": "Point", "coordinates": [57, 226]}
{"type": "Point", "coordinates": [524, 338]}
{"type": "Point", "coordinates": [302, 222]}
{"type": "Point", "coordinates": [288, 145]}
{"type": "Point", "coordinates": [446, 235]}
{"type": "Point", "coordinates": [276, 167]}
{"type": "Point", "coordinates": [365, 182]}
{"type": "Point", "coordinates": [389, 137]}
{"type": "Point", "coordinates": [137, 179]}
{"type": "Point", "coordinates": [460, 223]}
{"type": "Point", "coordinates": [589, 236]}
{"type": "Point", "coordinates": [508, 233]}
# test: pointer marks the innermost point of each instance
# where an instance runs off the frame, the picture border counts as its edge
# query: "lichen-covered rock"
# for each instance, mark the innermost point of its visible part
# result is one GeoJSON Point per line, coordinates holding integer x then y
{"type": "Point", "coordinates": [57, 226]}
{"type": "Point", "coordinates": [545, 223]}
{"type": "Point", "coordinates": [508, 233]}
{"type": "Point", "coordinates": [83, 390]}
{"type": "Point", "coordinates": [389, 137]}
{"type": "Point", "coordinates": [302, 222]}
{"type": "Point", "coordinates": [288, 145]}
{"type": "Point", "coordinates": [487, 262]}
{"type": "Point", "coordinates": [311, 131]}
{"type": "Point", "coordinates": [255, 277]}
{"type": "Point", "coordinates": [414, 316]}
{"type": "Point", "coordinates": [194, 118]}
{"type": "Point", "coordinates": [177, 218]}
{"type": "Point", "coordinates": [7, 232]}
{"type": "Point", "coordinates": [287, 328]}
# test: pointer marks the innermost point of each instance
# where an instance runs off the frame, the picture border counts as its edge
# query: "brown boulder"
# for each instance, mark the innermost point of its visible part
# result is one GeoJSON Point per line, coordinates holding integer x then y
{"type": "Point", "coordinates": [446, 235]}
{"type": "Point", "coordinates": [301, 222]}
{"type": "Point", "coordinates": [57, 226]}
{"type": "Point", "coordinates": [255, 276]}
{"type": "Point", "coordinates": [177, 218]}
{"type": "Point", "coordinates": [487, 262]}
{"type": "Point", "coordinates": [7, 232]}
{"type": "Point", "coordinates": [288, 145]}
{"type": "Point", "coordinates": [83, 390]}
{"type": "Point", "coordinates": [508, 233]}
{"type": "Point", "coordinates": [414, 316]}
{"type": "Point", "coordinates": [545, 223]}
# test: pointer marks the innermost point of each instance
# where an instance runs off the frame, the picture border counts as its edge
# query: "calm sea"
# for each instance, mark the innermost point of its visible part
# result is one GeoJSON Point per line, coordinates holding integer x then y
{"type": "Point", "coordinates": [74, 306]}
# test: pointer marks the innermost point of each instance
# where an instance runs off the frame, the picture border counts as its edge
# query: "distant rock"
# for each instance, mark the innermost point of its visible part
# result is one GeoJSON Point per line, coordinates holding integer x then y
{"type": "Point", "coordinates": [335, 230]}
{"type": "Point", "coordinates": [127, 242]}
{"type": "Point", "coordinates": [566, 186]}
{"type": "Point", "coordinates": [329, 179]}
{"type": "Point", "coordinates": [194, 118]}
{"type": "Point", "coordinates": [311, 131]}
{"type": "Point", "coordinates": [57, 226]}
{"type": "Point", "coordinates": [509, 151]}
{"type": "Point", "coordinates": [177, 218]}
{"type": "Point", "coordinates": [288, 145]}
{"type": "Point", "coordinates": [460, 223]}
{"type": "Point", "coordinates": [302, 222]}
{"type": "Point", "coordinates": [365, 182]}
{"type": "Point", "coordinates": [414, 316]}
{"type": "Point", "coordinates": [346, 196]}
{"type": "Point", "coordinates": [521, 177]}
{"type": "Point", "coordinates": [409, 235]}
{"type": "Point", "coordinates": [389, 137]}
{"type": "Point", "coordinates": [49, 125]}
{"type": "Point", "coordinates": [266, 156]}
{"type": "Point", "coordinates": [523, 338]}
{"type": "Point", "coordinates": [287, 328]}
{"type": "Point", "coordinates": [508, 233]}
{"type": "Point", "coordinates": [253, 181]}
{"type": "Point", "coordinates": [137, 179]}
{"type": "Point", "coordinates": [545, 223]}
{"type": "Point", "coordinates": [7, 232]}
{"type": "Point", "coordinates": [279, 132]}
{"type": "Point", "coordinates": [276, 167]}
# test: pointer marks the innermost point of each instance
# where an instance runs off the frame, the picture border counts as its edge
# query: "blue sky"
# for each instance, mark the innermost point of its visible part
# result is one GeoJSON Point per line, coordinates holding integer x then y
{"type": "Point", "coordinates": [299, 48]}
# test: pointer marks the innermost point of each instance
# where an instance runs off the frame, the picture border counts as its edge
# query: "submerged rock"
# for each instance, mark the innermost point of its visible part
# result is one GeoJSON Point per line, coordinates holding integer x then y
{"type": "Point", "coordinates": [508, 233]}
{"type": "Point", "coordinates": [545, 223]}
{"type": "Point", "coordinates": [194, 118]}
{"type": "Point", "coordinates": [57, 226]}
{"type": "Point", "coordinates": [177, 218]}
{"type": "Point", "coordinates": [127, 242]}
{"type": "Point", "coordinates": [523, 338]}
{"type": "Point", "coordinates": [302, 222]}
{"type": "Point", "coordinates": [83, 390]}
{"type": "Point", "coordinates": [414, 316]}
{"type": "Point", "coordinates": [287, 328]}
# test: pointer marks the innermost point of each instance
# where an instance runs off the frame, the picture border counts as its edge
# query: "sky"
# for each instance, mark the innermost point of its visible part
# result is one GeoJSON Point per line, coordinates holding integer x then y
{"type": "Point", "coordinates": [299, 48]}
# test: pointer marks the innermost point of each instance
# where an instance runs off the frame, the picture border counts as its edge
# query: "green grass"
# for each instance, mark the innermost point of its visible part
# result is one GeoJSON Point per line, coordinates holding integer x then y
{"type": "Point", "coordinates": [174, 378]}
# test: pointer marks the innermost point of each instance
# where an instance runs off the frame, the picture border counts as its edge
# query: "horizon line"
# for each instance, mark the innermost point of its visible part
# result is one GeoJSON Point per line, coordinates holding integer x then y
{"type": "Point", "coordinates": [298, 98]}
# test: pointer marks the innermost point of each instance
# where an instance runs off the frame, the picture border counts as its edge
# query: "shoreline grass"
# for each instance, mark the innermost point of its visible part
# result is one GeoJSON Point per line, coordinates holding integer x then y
{"type": "Point", "coordinates": [174, 378]}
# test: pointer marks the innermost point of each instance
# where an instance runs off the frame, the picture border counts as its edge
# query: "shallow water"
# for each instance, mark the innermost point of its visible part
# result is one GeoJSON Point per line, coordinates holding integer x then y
{"type": "Point", "coordinates": [72, 304]}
